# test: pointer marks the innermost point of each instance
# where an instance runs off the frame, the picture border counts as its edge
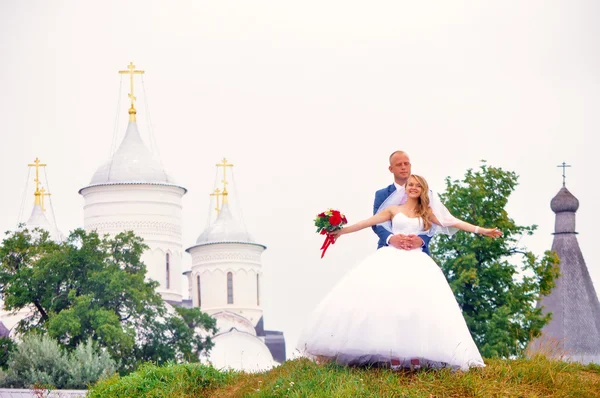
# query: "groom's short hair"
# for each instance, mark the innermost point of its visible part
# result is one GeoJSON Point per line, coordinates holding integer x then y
{"type": "Point", "coordinates": [398, 152]}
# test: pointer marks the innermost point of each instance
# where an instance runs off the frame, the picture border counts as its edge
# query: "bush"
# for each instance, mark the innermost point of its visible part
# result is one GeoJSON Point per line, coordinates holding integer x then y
{"type": "Point", "coordinates": [6, 348]}
{"type": "Point", "coordinates": [87, 366]}
{"type": "Point", "coordinates": [2, 377]}
{"type": "Point", "coordinates": [39, 360]}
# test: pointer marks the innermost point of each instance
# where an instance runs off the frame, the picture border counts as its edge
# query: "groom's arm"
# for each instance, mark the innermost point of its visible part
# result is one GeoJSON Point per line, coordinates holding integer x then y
{"type": "Point", "coordinates": [425, 240]}
{"type": "Point", "coordinates": [383, 233]}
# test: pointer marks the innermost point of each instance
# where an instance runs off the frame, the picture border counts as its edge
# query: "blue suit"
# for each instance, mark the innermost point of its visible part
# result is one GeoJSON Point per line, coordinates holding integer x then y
{"type": "Point", "coordinates": [383, 233]}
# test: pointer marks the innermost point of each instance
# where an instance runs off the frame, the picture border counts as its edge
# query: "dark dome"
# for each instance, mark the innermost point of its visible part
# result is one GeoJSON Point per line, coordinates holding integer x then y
{"type": "Point", "coordinates": [4, 332]}
{"type": "Point", "coordinates": [564, 201]}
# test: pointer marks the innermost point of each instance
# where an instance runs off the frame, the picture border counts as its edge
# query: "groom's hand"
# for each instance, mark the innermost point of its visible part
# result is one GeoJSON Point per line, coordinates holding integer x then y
{"type": "Point", "coordinates": [405, 242]}
{"type": "Point", "coordinates": [415, 242]}
{"type": "Point", "coordinates": [399, 241]}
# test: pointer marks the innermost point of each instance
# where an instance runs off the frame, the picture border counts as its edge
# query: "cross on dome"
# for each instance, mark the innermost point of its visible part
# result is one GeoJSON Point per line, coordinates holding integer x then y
{"type": "Point", "coordinates": [226, 228]}
{"type": "Point", "coordinates": [217, 194]}
{"type": "Point", "coordinates": [43, 194]}
{"type": "Point", "coordinates": [38, 193]}
{"type": "Point", "coordinates": [564, 166]}
{"type": "Point", "coordinates": [38, 219]}
{"type": "Point", "coordinates": [131, 72]}
{"type": "Point", "coordinates": [132, 162]}
{"type": "Point", "coordinates": [224, 165]}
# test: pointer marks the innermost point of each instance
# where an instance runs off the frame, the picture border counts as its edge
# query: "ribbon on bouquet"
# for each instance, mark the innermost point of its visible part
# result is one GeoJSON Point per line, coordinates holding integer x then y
{"type": "Point", "coordinates": [329, 240]}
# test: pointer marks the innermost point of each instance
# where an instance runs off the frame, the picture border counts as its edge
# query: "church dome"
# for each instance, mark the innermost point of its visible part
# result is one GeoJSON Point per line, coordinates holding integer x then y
{"type": "Point", "coordinates": [227, 320]}
{"type": "Point", "coordinates": [237, 350]}
{"type": "Point", "coordinates": [225, 229]}
{"type": "Point", "coordinates": [4, 332]}
{"type": "Point", "coordinates": [38, 219]}
{"type": "Point", "coordinates": [564, 201]}
{"type": "Point", "coordinates": [132, 163]}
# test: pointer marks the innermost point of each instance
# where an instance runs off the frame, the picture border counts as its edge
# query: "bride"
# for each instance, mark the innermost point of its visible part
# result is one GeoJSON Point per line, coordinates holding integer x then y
{"type": "Point", "coordinates": [396, 307]}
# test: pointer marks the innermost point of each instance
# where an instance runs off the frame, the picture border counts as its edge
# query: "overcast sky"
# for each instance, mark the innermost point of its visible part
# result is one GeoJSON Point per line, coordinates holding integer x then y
{"type": "Point", "coordinates": [307, 99]}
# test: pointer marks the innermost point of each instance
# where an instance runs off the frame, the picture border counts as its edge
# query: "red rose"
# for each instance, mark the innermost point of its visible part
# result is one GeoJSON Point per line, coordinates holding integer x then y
{"type": "Point", "coordinates": [335, 219]}
{"type": "Point", "coordinates": [344, 220]}
{"type": "Point", "coordinates": [335, 212]}
{"type": "Point", "coordinates": [321, 215]}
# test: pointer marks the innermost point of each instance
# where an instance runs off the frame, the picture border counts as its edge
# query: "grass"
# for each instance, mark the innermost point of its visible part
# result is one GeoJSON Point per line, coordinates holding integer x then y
{"type": "Point", "coordinates": [185, 380]}
{"type": "Point", "coordinates": [537, 377]}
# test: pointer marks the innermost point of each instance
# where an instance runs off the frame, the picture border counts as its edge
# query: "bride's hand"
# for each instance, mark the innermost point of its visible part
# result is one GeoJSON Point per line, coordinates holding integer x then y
{"type": "Point", "coordinates": [336, 234]}
{"type": "Point", "coordinates": [491, 232]}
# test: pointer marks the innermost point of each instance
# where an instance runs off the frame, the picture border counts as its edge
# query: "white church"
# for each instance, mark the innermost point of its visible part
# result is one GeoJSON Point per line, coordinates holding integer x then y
{"type": "Point", "coordinates": [132, 191]}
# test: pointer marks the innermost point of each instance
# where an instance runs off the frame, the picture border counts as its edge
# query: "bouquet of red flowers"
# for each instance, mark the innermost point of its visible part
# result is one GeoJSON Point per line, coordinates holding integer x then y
{"type": "Point", "coordinates": [329, 221]}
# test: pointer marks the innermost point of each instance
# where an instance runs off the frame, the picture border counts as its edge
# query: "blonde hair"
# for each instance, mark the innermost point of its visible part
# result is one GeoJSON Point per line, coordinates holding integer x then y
{"type": "Point", "coordinates": [423, 211]}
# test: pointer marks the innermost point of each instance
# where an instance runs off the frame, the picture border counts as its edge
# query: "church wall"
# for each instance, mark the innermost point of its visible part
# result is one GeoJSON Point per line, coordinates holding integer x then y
{"type": "Point", "coordinates": [157, 256]}
{"type": "Point", "coordinates": [212, 263]}
{"type": "Point", "coordinates": [213, 287]}
{"type": "Point", "coordinates": [152, 212]}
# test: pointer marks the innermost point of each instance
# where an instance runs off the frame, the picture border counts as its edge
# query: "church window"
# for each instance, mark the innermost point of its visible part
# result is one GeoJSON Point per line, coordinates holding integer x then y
{"type": "Point", "coordinates": [199, 291]}
{"type": "Point", "coordinates": [257, 290]}
{"type": "Point", "coordinates": [168, 268]}
{"type": "Point", "coordinates": [229, 288]}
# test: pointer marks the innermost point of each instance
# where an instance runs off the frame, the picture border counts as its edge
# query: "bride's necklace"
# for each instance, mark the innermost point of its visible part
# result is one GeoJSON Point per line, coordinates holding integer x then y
{"type": "Point", "coordinates": [413, 211]}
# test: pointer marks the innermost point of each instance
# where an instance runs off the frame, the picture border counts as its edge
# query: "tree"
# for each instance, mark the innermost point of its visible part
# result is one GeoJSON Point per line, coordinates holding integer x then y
{"type": "Point", "coordinates": [496, 282]}
{"type": "Point", "coordinates": [181, 337]}
{"type": "Point", "coordinates": [95, 287]}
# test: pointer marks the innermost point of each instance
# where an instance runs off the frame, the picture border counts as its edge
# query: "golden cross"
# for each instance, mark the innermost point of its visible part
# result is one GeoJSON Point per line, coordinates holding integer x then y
{"type": "Point", "coordinates": [37, 165]}
{"type": "Point", "coordinates": [224, 165]}
{"type": "Point", "coordinates": [131, 96]}
{"type": "Point", "coordinates": [42, 194]}
{"type": "Point", "coordinates": [217, 194]}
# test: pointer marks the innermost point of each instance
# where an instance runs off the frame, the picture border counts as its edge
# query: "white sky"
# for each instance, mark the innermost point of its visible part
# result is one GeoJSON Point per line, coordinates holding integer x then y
{"type": "Point", "coordinates": [307, 99]}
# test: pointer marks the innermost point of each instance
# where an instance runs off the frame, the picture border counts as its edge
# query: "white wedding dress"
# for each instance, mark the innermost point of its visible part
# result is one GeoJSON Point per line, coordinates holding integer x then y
{"type": "Point", "coordinates": [395, 307]}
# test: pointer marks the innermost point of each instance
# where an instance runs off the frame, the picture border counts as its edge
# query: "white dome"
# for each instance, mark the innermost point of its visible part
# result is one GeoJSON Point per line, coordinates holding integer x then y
{"type": "Point", "coordinates": [225, 229]}
{"type": "Point", "coordinates": [38, 219]}
{"type": "Point", "coordinates": [132, 163]}
{"type": "Point", "coordinates": [227, 320]}
{"type": "Point", "coordinates": [240, 351]}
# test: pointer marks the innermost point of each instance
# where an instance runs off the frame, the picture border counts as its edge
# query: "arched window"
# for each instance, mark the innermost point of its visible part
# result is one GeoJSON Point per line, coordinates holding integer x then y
{"type": "Point", "coordinates": [229, 288]}
{"type": "Point", "coordinates": [168, 268]}
{"type": "Point", "coordinates": [257, 290]}
{"type": "Point", "coordinates": [199, 291]}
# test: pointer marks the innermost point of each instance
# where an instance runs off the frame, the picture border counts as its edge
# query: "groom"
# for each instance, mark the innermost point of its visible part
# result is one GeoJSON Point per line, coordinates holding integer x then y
{"type": "Point", "coordinates": [400, 168]}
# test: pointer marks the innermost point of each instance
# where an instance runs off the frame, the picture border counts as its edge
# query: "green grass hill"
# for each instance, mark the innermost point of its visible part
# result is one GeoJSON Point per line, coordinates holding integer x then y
{"type": "Point", "coordinates": [538, 377]}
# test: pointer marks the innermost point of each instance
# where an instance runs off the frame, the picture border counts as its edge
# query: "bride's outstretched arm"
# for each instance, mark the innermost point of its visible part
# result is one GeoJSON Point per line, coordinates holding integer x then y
{"type": "Point", "coordinates": [465, 226]}
{"type": "Point", "coordinates": [378, 218]}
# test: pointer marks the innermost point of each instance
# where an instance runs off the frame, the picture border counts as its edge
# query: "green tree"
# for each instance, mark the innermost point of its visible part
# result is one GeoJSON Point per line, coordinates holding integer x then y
{"type": "Point", "coordinates": [180, 337]}
{"type": "Point", "coordinates": [95, 287]}
{"type": "Point", "coordinates": [496, 282]}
